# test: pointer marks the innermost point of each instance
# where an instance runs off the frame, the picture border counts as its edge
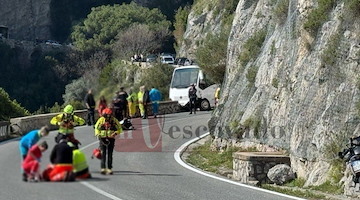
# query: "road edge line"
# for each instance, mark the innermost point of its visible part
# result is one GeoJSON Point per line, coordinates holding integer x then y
{"type": "Point", "coordinates": [181, 149]}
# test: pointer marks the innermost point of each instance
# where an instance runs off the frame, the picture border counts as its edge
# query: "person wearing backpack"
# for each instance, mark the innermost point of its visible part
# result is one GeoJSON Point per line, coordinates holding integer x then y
{"type": "Point", "coordinates": [61, 158]}
{"type": "Point", "coordinates": [66, 122]}
{"type": "Point", "coordinates": [122, 95]}
{"type": "Point", "coordinates": [106, 128]}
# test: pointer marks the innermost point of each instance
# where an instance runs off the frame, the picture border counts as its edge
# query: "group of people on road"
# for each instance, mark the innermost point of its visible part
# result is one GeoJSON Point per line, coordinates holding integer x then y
{"type": "Point", "coordinates": [67, 161]}
{"type": "Point", "coordinates": [129, 105]}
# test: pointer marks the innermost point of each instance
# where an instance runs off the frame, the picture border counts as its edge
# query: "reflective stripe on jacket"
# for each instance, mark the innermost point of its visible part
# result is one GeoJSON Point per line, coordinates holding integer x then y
{"type": "Point", "coordinates": [58, 119]}
{"type": "Point", "coordinates": [105, 128]}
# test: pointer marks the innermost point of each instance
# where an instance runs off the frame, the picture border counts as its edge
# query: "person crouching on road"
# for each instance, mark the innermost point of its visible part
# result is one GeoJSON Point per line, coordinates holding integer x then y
{"type": "Point", "coordinates": [66, 122]}
{"type": "Point", "coordinates": [80, 166]}
{"type": "Point", "coordinates": [31, 138]}
{"type": "Point", "coordinates": [61, 158]}
{"type": "Point", "coordinates": [31, 163]}
{"type": "Point", "coordinates": [106, 128]}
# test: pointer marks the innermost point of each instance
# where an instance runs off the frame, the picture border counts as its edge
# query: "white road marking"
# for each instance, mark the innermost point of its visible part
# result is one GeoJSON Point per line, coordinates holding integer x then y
{"type": "Point", "coordinates": [178, 159]}
{"type": "Point", "coordinates": [98, 190]}
{"type": "Point", "coordinates": [102, 192]}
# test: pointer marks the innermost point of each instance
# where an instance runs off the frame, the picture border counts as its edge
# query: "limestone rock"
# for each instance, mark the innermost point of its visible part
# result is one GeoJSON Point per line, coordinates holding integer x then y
{"type": "Point", "coordinates": [280, 174]}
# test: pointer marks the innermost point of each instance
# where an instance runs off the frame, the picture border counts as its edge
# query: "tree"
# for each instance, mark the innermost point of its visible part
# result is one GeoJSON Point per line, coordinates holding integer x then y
{"type": "Point", "coordinates": [138, 39]}
{"type": "Point", "coordinates": [10, 108]}
{"type": "Point", "coordinates": [104, 23]}
{"type": "Point", "coordinates": [180, 24]}
{"type": "Point", "coordinates": [211, 56]}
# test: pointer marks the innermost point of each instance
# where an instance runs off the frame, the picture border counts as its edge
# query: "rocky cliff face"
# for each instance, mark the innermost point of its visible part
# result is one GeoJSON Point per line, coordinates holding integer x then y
{"type": "Point", "coordinates": [201, 21]}
{"type": "Point", "coordinates": [26, 20]}
{"type": "Point", "coordinates": [300, 90]}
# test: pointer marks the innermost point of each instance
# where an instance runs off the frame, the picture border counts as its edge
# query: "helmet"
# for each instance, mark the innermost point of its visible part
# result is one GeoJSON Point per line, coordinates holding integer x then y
{"type": "Point", "coordinates": [96, 153]}
{"type": "Point", "coordinates": [107, 111]}
{"type": "Point", "coordinates": [69, 109]}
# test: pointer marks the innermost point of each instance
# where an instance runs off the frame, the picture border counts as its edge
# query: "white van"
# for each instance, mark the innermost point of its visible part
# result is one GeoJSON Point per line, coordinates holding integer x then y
{"type": "Point", "coordinates": [167, 60]}
{"type": "Point", "coordinates": [181, 80]}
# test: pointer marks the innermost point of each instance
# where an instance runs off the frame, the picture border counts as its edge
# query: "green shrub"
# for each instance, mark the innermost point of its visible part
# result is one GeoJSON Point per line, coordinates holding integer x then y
{"type": "Point", "coordinates": [180, 25]}
{"type": "Point", "coordinates": [352, 8]}
{"type": "Point", "coordinates": [281, 10]}
{"type": "Point", "coordinates": [252, 47]}
{"type": "Point", "coordinates": [211, 56]}
{"type": "Point", "coordinates": [253, 123]}
{"type": "Point", "coordinates": [275, 82]}
{"type": "Point", "coordinates": [318, 16]}
{"type": "Point", "coordinates": [251, 74]}
{"type": "Point", "coordinates": [10, 108]}
{"type": "Point", "coordinates": [330, 54]}
{"type": "Point", "coordinates": [158, 76]}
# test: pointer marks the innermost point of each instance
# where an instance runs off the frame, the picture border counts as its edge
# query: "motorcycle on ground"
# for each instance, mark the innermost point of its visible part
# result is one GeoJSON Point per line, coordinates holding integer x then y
{"type": "Point", "coordinates": [351, 155]}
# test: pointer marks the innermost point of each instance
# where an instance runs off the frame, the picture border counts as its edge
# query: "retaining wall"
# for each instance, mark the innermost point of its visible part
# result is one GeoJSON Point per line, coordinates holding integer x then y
{"type": "Point", "coordinates": [252, 167]}
{"type": "Point", "coordinates": [23, 125]}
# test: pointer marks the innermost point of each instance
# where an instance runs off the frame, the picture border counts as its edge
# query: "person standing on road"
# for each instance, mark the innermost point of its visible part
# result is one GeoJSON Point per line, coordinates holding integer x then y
{"type": "Point", "coordinates": [106, 128]}
{"type": "Point", "coordinates": [90, 106]}
{"type": "Point", "coordinates": [31, 138]}
{"type": "Point", "coordinates": [192, 98]}
{"type": "Point", "coordinates": [217, 96]}
{"type": "Point", "coordinates": [155, 98]}
{"type": "Point", "coordinates": [102, 105]}
{"type": "Point", "coordinates": [66, 122]}
{"type": "Point", "coordinates": [123, 95]}
{"type": "Point", "coordinates": [132, 102]}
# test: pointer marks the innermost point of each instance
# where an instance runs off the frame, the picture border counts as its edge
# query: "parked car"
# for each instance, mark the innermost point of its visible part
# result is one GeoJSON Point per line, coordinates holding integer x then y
{"type": "Point", "coordinates": [52, 42]}
{"type": "Point", "coordinates": [183, 61]}
{"type": "Point", "coordinates": [167, 60]}
{"type": "Point", "coordinates": [151, 58]}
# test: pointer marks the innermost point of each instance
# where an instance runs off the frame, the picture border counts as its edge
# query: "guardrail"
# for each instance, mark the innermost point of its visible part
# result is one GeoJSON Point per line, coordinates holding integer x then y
{"type": "Point", "coordinates": [22, 125]}
{"type": "Point", "coordinates": [4, 130]}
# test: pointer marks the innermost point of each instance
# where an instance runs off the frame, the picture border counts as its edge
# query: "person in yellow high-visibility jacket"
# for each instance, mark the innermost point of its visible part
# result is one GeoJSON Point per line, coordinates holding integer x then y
{"type": "Point", "coordinates": [217, 95]}
{"type": "Point", "coordinates": [106, 128]}
{"type": "Point", "coordinates": [132, 102]}
{"type": "Point", "coordinates": [140, 96]}
{"type": "Point", "coordinates": [80, 166]}
{"type": "Point", "coordinates": [66, 122]}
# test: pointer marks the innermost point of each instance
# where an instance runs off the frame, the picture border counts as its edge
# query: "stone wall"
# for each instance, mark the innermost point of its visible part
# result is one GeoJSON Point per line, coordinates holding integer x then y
{"type": "Point", "coordinates": [252, 167]}
{"type": "Point", "coordinates": [23, 125]}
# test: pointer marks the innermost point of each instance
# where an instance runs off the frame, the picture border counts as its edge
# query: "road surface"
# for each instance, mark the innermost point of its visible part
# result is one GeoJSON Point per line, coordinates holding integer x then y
{"type": "Point", "coordinates": [144, 167]}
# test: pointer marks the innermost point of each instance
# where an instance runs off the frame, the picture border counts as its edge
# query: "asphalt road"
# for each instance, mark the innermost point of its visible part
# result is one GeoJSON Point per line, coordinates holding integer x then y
{"type": "Point", "coordinates": [144, 167]}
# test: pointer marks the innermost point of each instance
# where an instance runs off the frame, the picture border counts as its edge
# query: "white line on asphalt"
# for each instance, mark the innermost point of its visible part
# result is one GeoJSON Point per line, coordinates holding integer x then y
{"type": "Point", "coordinates": [102, 192]}
{"type": "Point", "coordinates": [96, 189]}
{"type": "Point", "coordinates": [178, 159]}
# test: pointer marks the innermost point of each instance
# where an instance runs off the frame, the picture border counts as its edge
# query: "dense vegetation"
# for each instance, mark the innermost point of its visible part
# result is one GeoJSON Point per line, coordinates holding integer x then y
{"type": "Point", "coordinates": [10, 108]}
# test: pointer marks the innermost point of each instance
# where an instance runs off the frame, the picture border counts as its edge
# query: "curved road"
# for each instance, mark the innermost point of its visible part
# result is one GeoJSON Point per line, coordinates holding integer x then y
{"type": "Point", "coordinates": [144, 167]}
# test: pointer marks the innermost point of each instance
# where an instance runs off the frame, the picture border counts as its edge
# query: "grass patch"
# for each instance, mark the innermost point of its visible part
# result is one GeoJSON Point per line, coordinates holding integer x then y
{"type": "Point", "coordinates": [299, 182]}
{"type": "Point", "coordinates": [328, 187]}
{"type": "Point", "coordinates": [203, 158]}
{"type": "Point", "coordinates": [294, 192]}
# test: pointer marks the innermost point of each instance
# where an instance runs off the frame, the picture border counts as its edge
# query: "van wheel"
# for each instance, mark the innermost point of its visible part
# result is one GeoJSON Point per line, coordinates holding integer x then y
{"type": "Point", "coordinates": [204, 104]}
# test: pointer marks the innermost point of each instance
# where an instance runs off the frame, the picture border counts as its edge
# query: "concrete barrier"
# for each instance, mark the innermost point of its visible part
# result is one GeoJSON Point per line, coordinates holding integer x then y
{"type": "Point", "coordinates": [23, 125]}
